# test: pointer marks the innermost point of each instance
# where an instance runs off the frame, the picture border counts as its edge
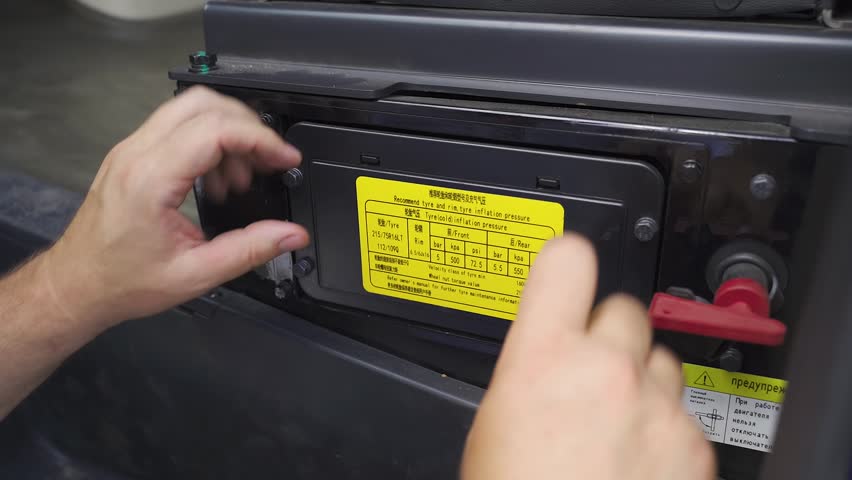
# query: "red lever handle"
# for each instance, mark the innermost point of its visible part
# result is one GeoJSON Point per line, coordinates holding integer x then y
{"type": "Point", "coordinates": [740, 312]}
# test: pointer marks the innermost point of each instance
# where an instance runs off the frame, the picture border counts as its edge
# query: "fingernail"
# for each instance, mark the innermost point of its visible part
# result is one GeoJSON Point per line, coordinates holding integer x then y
{"type": "Point", "coordinates": [291, 242]}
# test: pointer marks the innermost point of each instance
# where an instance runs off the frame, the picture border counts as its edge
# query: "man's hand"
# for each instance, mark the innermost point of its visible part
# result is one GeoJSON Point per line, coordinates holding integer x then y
{"type": "Point", "coordinates": [581, 394]}
{"type": "Point", "coordinates": [129, 252]}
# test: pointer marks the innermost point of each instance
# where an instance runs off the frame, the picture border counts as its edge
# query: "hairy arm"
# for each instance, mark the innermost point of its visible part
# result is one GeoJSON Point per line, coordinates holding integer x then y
{"type": "Point", "coordinates": [129, 252]}
{"type": "Point", "coordinates": [35, 335]}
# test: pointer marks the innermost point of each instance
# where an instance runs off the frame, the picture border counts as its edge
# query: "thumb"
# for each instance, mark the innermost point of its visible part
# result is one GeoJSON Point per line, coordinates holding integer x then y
{"type": "Point", "coordinates": [234, 253]}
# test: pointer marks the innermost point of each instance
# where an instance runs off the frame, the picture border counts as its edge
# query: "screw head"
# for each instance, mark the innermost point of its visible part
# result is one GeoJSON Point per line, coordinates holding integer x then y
{"type": "Point", "coordinates": [293, 178]}
{"type": "Point", "coordinates": [762, 186]}
{"type": "Point", "coordinates": [283, 290]}
{"type": "Point", "coordinates": [689, 171]}
{"type": "Point", "coordinates": [202, 61]}
{"type": "Point", "coordinates": [645, 229]}
{"type": "Point", "coordinates": [731, 360]}
{"type": "Point", "coordinates": [303, 268]}
{"type": "Point", "coordinates": [267, 119]}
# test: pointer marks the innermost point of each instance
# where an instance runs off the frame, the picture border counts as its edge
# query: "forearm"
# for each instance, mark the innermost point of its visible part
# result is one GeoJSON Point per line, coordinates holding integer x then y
{"type": "Point", "coordinates": [128, 252]}
{"type": "Point", "coordinates": [36, 331]}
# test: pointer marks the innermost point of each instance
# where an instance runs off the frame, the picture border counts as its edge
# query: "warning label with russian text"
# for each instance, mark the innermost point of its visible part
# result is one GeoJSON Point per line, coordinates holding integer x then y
{"type": "Point", "coordinates": [734, 408]}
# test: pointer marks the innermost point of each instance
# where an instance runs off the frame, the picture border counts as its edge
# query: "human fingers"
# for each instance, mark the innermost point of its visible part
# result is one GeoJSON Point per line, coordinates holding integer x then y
{"type": "Point", "coordinates": [214, 185]}
{"type": "Point", "coordinates": [187, 105]}
{"type": "Point", "coordinates": [622, 322]}
{"type": "Point", "coordinates": [665, 370]}
{"type": "Point", "coordinates": [237, 171]}
{"type": "Point", "coordinates": [688, 453]}
{"type": "Point", "coordinates": [199, 145]}
{"type": "Point", "coordinates": [234, 253]}
{"type": "Point", "coordinates": [558, 293]}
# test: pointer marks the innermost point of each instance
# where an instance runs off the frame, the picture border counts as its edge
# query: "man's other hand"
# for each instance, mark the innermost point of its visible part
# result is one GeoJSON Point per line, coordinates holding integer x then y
{"type": "Point", "coordinates": [580, 393]}
{"type": "Point", "coordinates": [129, 252]}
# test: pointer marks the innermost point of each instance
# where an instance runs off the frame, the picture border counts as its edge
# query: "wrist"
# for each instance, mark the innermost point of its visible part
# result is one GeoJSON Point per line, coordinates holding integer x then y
{"type": "Point", "coordinates": [69, 291]}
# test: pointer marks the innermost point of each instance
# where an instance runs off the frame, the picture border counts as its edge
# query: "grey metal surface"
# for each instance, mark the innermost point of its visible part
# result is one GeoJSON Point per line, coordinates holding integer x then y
{"type": "Point", "coordinates": [789, 73]}
{"type": "Point", "coordinates": [815, 433]}
{"type": "Point", "coordinates": [74, 83]}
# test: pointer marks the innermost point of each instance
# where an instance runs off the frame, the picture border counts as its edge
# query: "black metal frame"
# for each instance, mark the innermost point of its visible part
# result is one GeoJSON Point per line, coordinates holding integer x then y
{"type": "Point", "coordinates": [793, 74]}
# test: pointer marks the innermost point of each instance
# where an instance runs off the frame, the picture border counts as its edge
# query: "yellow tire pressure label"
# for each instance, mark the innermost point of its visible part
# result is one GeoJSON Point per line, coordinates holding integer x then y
{"type": "Point", "coordinates": [734, 408]}
{"type": "Point", "coordinates": [453, 248]}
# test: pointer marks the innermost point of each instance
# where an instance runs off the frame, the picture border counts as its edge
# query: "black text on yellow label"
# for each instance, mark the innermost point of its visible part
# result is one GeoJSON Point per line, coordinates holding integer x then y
{"type": "Point", "coordinates": [459, 249]}
{"type": "Point", "coordinates": [733, 408]}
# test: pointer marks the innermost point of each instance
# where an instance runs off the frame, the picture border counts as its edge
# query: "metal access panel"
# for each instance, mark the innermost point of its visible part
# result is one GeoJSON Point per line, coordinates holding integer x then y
{"type": "Point", "coordinates": [444, 232]}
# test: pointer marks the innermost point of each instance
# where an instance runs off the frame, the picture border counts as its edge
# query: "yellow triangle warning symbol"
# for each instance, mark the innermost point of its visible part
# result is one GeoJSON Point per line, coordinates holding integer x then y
{"type": "Point", "coordinates": [704, 380]}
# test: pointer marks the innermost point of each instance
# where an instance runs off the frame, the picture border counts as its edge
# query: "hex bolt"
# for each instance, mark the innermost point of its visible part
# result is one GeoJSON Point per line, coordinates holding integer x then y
{"type": "Point", "coordinates": [645, 229]}
{"type": "Point", "coordinates": [267, 119]}
{"type": "Point", "coordinates": [731, 360]}
{"type": "Point", "coordinates": [202, 62]}
{"type": "Point", "coordinates": [303, 267]}
{"type": "Point", "coordinates": [762, 186]}
{"type": "Point", "coordinates": [689, 171]}
{"type": "Point", "coordinates": [283, 290]}
{"type": "Point", "coordinates": [293, 178]}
